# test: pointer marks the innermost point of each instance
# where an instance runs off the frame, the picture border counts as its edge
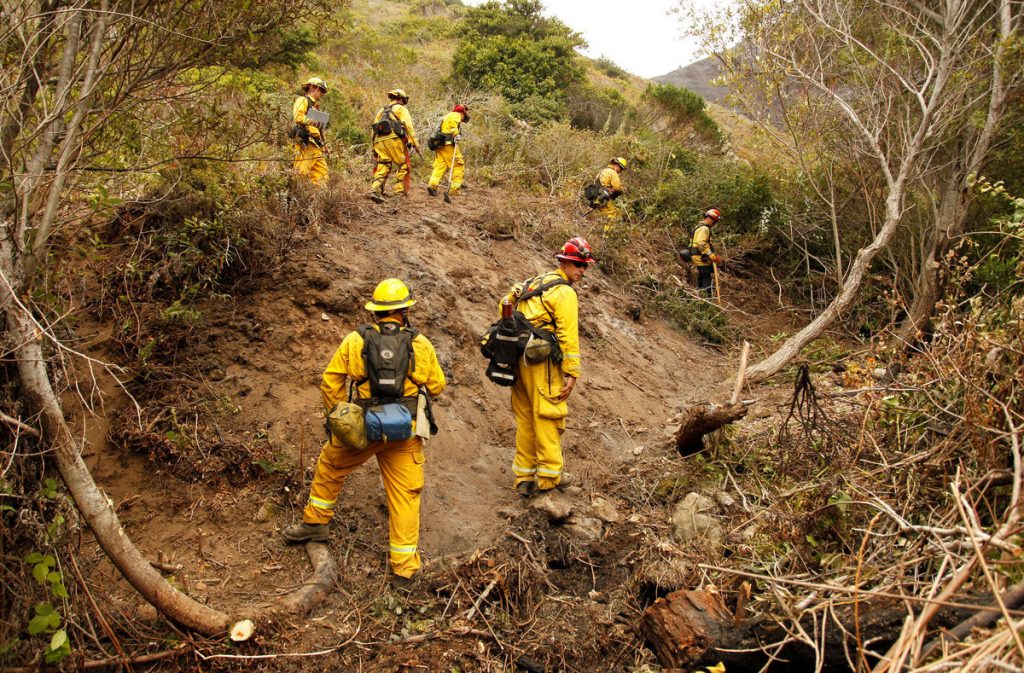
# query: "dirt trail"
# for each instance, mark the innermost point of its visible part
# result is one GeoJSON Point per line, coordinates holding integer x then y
{"type": "Point", "coordinates": [264, 354]}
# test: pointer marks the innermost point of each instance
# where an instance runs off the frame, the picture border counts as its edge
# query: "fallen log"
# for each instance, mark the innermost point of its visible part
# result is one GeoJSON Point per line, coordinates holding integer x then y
{"type": "Point", "coordinates": [702, 419]}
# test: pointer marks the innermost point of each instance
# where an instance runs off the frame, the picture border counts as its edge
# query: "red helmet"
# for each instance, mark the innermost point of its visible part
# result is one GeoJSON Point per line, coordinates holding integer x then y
{"type": "Point", "coordinates": [462, 109]}
{"type": "Point", "coordinates": [576, 249]}
{"type": "Point", "coordinates": [714, 213]}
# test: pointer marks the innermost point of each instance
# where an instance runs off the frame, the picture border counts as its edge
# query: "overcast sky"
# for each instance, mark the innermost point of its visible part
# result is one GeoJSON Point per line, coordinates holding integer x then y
{"type": "Point", "coordinates": [639, 35]}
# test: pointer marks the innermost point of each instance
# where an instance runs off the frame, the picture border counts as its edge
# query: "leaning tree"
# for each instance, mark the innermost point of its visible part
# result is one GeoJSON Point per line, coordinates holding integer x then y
{"type": "Point", "coordinates": [82, 85]}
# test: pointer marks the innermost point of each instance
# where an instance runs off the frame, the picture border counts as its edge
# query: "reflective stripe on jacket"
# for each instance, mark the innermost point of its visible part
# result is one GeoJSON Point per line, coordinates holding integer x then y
{"type": "Point", "coordinates": [347, 364]}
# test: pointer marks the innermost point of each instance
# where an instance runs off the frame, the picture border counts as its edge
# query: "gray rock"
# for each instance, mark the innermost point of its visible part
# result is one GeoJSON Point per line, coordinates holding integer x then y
{"type": "Point", "coordinates": [724, 500]}
{"type": "Point", "coordinates": [584, 528]}
{"type": "Point", "coordinates": [692, 521]}
{"type": "Point", "coordinates": [555, 504]}
{"type": "Point", "coordinates": [604, 510]}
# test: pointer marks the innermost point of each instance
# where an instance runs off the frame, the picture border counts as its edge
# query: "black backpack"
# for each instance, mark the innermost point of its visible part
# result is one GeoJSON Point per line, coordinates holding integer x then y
{"type": "Point", "coordinates": [506, 339]}
{"type": "Point", "coordinates": [389, 359]}
{"type": "Point", "coordinates": [388, 123]}
{"type": "Point", "coordinates": [592, 191]}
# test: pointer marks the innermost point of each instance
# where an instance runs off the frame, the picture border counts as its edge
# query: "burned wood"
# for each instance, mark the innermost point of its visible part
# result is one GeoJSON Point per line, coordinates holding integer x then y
{"type": "Point", "coordinates": [703, 419]}
{"type": "Point", "coordinates": [682, 626]}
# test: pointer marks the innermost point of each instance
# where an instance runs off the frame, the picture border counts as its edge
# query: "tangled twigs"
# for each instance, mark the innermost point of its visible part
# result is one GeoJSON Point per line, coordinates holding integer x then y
{"type": "Point", "coordinates": [805, 407]}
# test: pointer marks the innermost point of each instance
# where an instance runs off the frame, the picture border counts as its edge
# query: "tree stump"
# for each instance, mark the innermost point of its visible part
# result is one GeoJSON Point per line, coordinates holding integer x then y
{"type": "Point", "coordinates": [702, 419]}
{"type": "Point", "coordinates": [681, 626]}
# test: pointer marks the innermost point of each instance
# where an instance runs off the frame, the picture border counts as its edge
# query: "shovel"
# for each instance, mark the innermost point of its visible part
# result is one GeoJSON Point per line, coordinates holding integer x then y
{"type": "Point", "coordinates": [451, 171]}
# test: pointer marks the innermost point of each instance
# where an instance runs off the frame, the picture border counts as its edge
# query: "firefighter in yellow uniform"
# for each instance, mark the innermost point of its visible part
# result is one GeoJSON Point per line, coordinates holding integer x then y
{"type": "Point", "coordinates": [702, 252]}
{"type": "Point", "coordinates": [310, 155]}
{"type": "Point", "coordinates": [611, 188]}
{"type": "Point", "coordinates": [539, 394]}
{"type": "Point", "coordinates": [393, 135]}
{"type": "Point", "coordinates": [400, 461]}
{"type": "Point", "coordinates": [448, 155]}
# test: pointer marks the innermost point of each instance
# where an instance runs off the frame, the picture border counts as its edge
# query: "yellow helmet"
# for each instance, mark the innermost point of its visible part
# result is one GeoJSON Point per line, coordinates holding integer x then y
{"type": "Point", "coordinates": [399, 93]}
{"type": "Point", "coordinates": [317, 82]}
{"type": "Point", "coordinates": [390, 295]}
{"type": "Point", "coordinates": [619, 161]}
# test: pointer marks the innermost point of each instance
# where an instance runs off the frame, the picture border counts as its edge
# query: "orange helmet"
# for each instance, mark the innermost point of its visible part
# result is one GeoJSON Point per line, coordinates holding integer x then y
{"type": "Point", "coordinates": [714, 213]}
{"type": "Point", "coordinates": [576, 249]}
{"type": "Point", "coordinates": [463, 110]}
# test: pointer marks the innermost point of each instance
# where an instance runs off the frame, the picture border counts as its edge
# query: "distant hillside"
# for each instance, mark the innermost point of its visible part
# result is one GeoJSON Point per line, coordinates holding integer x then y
{"type": "Point", "coordinates": [697, 77]}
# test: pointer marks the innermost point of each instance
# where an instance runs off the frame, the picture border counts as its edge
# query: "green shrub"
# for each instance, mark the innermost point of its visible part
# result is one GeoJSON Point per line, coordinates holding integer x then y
{"type": "Point", "coordinates": [511, 49]}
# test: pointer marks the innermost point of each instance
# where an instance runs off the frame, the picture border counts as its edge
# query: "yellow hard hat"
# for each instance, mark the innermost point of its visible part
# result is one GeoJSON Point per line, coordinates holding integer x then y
{"type": "Point", "coordinates": [317, 82]}
{"type": "Point", "coordinates": [390, 295]}
{"type": "Point", "coordinates": [619, 161]}
{"type": "Point", "coordinates": [399, 93]}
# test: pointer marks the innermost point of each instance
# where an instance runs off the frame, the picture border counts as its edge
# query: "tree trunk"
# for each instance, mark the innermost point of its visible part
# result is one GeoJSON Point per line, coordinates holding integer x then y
{"type": "Point", "coordinates": [787, 351]}
{"type": "Point", "coordinates": [95, 507]}
{"type": "Point", "coordinates": [949, 224]}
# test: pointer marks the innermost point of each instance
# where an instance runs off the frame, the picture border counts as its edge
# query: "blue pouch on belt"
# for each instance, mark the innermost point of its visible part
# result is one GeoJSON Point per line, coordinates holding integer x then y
{"type": "Point", "coordinates": [388, 422]}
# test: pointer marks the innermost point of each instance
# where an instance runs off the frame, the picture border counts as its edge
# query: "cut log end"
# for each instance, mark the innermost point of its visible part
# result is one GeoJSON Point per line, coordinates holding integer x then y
{"type": "Point", "coordinates": [703, 419]}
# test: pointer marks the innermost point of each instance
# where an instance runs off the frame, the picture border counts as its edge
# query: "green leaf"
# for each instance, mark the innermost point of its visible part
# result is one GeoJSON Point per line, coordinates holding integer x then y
{"type": "Point", "coordinates": [59, 639]}
{"type": "Point", "coordinates": [39, 572]}
{"type": "Point", "coordinates": [44, 609]}
{"type": "Point", "coordinates": [38, 624]}
{"type": "Point", "coordinates": [49, 560]}
{"type": "Point", "coordinates": [54, 577]}
{"type": "Point", "coordinates": [55, 619]}
{"type": "Point", "coordinates": [34, 557]}
{"type": "Point", "coordinates": [59, 590]}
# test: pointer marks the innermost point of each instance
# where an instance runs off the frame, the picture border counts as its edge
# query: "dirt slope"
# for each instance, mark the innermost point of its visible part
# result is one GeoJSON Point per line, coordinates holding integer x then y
{"type": "Point", "coordinates": [263, 356]}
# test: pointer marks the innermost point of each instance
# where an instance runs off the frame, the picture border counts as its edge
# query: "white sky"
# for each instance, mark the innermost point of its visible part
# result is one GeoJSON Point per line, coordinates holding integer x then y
{"type": "Point", "coordinates": [639, 35]}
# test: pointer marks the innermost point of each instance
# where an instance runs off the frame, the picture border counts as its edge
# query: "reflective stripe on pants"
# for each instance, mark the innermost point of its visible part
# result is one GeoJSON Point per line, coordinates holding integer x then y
{"type": "Point", "coordinates": [401, 470]}
{"type": "Point", "coordinates": [540, 423]}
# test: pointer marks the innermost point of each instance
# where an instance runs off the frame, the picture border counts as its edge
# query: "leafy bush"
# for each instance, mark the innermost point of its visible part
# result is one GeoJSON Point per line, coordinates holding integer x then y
{"type": "Point", "coordinates": [610, 68]}
{"type": "Point", "coordinates": [511, 49]}
{"type": "Point", "coordinates": [598, 109]}
{"type": "Point", "coordinates": [685, 111]}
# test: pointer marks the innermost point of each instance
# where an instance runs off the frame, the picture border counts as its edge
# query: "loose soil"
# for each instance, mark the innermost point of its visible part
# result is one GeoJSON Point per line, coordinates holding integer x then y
{"type": "Point", "coordinates": [258, 363]}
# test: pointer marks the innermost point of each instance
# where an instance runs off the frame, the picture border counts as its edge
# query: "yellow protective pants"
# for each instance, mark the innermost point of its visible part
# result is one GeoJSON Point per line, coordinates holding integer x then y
{"type": "Point", "coordinates": [311, 163]}
{"type": "Point", "coordinates": [540, 422]}
{"type": "Point", "coordinates": [390, 154]}
{"type": "Point", "coordinates": [443, 162]}
{"type": "Point", "coordinates": [401, 470]}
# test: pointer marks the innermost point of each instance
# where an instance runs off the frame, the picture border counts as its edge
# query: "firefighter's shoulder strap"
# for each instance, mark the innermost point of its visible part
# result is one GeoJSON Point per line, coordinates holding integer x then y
{"type": "Point", "coordinates": [693, 234]}
{"type": "Point", "coordinates": [539, 290]}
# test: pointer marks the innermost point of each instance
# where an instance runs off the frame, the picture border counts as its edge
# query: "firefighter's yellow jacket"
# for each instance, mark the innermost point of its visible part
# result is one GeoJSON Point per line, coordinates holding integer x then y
{"type": "Point", "coordinates": [561, 305]}
{"type": "Point", "coordinates": [402, 115]}
{"type": "Point", "coordinates": [701, 242]}
{"type": "Point", "coordinates": [299, 110]}
{"type": "Point", "coordinates": [347, 364]}
{"type": "Point", "coordinates": [609, 179]}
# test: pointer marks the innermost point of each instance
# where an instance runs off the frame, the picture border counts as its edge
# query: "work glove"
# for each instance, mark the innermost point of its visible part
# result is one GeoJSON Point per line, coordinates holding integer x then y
{"type": "Point", "coordinates": [457, 137]}
{"type": "Point", "coordinates": [717, 259]}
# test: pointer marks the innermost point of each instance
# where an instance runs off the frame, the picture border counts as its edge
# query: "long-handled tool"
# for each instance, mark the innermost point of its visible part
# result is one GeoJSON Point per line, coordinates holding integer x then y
{"type": "Point", "coordinates": [718, 292]}
{"type": "Point", "coordinates": [407, 180]}
{"type": "Point", "coordinates": [451, 171]}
